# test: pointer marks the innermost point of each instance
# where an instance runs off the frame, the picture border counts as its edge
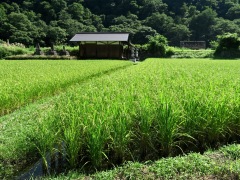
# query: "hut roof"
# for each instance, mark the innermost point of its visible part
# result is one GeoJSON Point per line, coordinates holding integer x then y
{"type": "Point", "coordinates": [100, 37]}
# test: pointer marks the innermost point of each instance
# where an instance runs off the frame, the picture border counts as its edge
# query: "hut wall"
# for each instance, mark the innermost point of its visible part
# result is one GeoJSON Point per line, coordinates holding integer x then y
{"type": "Point", "coordinates": [115, 51]}
{"type": "Point", "coordinates": [91, 50]}
{"type": "Point", "coordinates": [101, 51]}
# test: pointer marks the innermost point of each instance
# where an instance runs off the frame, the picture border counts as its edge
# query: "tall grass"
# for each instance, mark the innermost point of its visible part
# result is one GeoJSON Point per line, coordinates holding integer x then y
{"type": "Point", "coordinates": [153, 109]}
{"type": "Point", "coordinates": [45, 139]}
{"type": "Point", "coordinates": [12, 50]}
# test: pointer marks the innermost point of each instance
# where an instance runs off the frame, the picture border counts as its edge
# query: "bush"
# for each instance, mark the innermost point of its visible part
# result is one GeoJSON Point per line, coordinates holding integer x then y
{"type": "Point", "coordinates": [40, 57]}
{"type": "Point", "coordinates": [14, 50]}
{"type": "Point", "coordinates": [157, 45]}
{"type": "Point", "coordinates": [170, 51]}
{"type": "Point", "coordinates": [213, 45]}
{"type": "Point", "coordinates": [228, 46]}
{"type": "Point", "coordinates": [3, 52]}
{"type": "Point", "coordinates": [188, 53]}
{"type": "Point", "coordinates": [9, 50]}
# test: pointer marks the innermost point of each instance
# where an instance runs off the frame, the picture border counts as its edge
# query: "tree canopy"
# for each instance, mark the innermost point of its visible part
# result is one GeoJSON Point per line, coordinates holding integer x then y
{"type": "Point", "coordinates": [56, 21]}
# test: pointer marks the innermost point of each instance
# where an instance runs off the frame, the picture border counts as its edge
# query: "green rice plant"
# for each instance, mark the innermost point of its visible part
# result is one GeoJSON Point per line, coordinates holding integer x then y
{"type": "Point", "coordinates": [84, 129]}
{"type": "Point", "coordinates": [45, 139]}
{"type": "Point", "coordinates": [22, 82]}
{"type": "Point", "coordinates": [153, 108]}
{"type": "Point", "coordinates": [217, 122]}
{"type": "Point", "coordinates": [71, 129]}
{"type": "Point", "coordinates": [176, 110]}
{"type": "Point", "coordinates": [167, 128]}
{"type": "Point", "coordinates": [96, 138]}
{"type": "Point", "coordinates": [143, 127]}
{"type": "Point", "coordinates": [120, 127]}
{"type": "Point", "coordinates": [97, 130]}
{"type": "Point", "coordinates": [234, 121]}
{"type": "Point", "coordinates": [195, 118]}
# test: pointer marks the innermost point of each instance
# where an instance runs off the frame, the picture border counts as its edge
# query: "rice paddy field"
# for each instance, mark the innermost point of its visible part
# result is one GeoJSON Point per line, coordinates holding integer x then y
{"type": "Point", "coordinates": [22, 82]}
{"type": "Point", "coordinates": [100, 114]}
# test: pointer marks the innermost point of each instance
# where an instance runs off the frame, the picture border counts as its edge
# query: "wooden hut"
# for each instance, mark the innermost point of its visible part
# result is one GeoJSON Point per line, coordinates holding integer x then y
{"type": "Point", "coordinates": [103, 45]}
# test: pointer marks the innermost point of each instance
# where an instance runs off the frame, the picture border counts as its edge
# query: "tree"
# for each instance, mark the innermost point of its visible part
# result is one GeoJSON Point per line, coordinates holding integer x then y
{"type": "Point", "coordinates": [21, 37]}
{"type": "Point", "coordinates": [201, 25]}
{"type": "Point", "coordinates": [40, 32]}
{"type": "Point", "coordinates": [160, 22]}
{"type": "Point", "coordinates": [176, 20]}
{"type": "Point", "coordinates": [234, 12]}
{"type": "Point", "coordinates": [3, 14]}
{"type": "Point", "coordinates": [178, 33]}
{"type": "Point", "coordinates": [58, 5]}
{"type": "Point", "coordinates": [56, 35]}
{"type": "Point", "coordinates": [3, 19]}
{"type": "Point", "coordinates": [46, 10]}
{"type": "Point", "coordinates": [142, 33]}
{"type": "Point", "coordinates": [125, 24]}
{"type": "Point", "coordinates": [223, 7]}
{"type": "Point", "coordinates": [77, 11]}
{"type": "Point", "coordinates": [20, 29]}
{"type": "Point", "coordinates": [223, 26]}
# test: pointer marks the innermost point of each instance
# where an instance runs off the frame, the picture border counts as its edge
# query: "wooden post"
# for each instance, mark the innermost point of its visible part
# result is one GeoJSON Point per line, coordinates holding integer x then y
{"type": "Point", "coordinates": [79, 49]}
{"type": "Point", "coordinates": [128, 49]}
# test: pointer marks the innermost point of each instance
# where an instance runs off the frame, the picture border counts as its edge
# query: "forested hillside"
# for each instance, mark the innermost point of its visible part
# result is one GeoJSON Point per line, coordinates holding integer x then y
{"type": "Point", "coordinates": [56, 21]}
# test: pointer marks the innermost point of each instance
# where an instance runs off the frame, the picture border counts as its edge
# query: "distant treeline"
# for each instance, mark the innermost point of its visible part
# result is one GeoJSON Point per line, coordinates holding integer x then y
{"type": "Point", "coordinates": [56, 21]}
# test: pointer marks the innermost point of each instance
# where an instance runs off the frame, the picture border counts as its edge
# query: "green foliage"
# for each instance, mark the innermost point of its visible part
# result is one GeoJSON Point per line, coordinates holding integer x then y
{"type": "Point", "coordinates": [202, 23]}
{"type": "Point", "coordinates": [223, 26]}
{"type": "Point", "coordinates": [174, 52]}
{"type": "Point", "coordinates": [157, 45]}
{"type": "Point", "coordinates": [234, 12]}
{"type": "Point", "coordinates": [32, 22]}
{"type": "Point", "coordinates": [177, 33]}
{"type": "Point", "coordinates": [40, 57]}
{"type": "Point", "coordinates": [12, 50]}
{"type": "Point", "coordinates": [160, 22]}
{"type": "Point", "coordinates": [213, 45]}
{"type": "Point", "coordinates": [229, 41]}
{"type": "Point", "coordinates": [228, 46]}
{"type": "Point", "coordinates": [56, 35]}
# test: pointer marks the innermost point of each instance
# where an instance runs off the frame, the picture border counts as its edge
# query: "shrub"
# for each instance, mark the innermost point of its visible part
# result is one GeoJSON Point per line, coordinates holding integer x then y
{"type": "Point", "coordinates": [228, 46]}
{"type": "Point", "coordinates": [3, 52]}
{"type": "Point", "coordinates": [157, 45]}
{"type": "Point", "coordinates": [39, 57]}
{"type": "Point", "coordinates": [192, 54]}
{"type": "Point", "coordinates": [213, 45]}
{"type": "Point", "coordinates": [170, 52]}
{"type": "Point", "coordinates": [13, 49]}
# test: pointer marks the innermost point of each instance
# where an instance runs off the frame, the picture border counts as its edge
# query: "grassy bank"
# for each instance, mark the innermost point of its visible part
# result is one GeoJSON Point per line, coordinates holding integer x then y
{"type": "Point", "coordinates": [219, 164]}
